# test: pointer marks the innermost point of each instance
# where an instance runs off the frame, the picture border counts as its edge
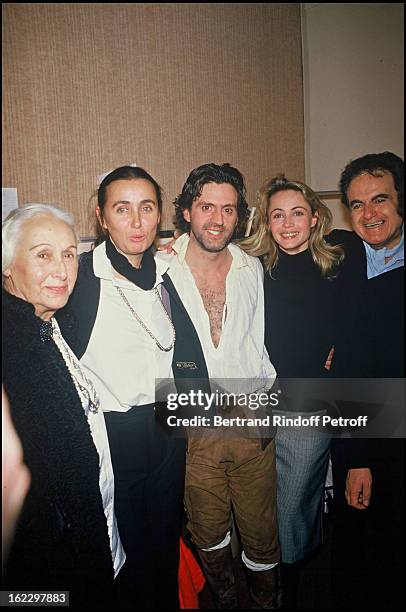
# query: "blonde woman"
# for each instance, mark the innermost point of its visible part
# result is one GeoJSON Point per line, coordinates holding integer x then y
{"type": "Point", "coordinates": [302, 263]}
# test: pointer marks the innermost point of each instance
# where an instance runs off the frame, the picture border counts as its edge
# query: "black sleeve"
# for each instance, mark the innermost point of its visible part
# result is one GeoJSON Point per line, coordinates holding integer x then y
{"type": "Point", "coordinates": [77, 319]}
{"type": "Point", "coordinates": [352, 308]}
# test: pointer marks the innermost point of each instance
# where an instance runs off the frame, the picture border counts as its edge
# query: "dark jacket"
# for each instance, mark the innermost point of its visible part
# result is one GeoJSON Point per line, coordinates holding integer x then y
{"type": "Point", "coordinates": [369, 344]}
{"type": "Point", "coordinates": [370, 332]}
{"type": "Point", "coordinates": [61, 540]}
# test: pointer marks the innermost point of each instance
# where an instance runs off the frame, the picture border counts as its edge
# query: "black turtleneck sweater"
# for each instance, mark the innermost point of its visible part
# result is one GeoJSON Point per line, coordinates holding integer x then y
{"type": "Point", "coordinates": [299, 316]}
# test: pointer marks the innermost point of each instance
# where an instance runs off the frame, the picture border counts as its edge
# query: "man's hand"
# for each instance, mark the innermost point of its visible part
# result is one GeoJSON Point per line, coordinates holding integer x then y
{"type": "Point", "coordinates": [329, 359]}
{"type": "Point", "coordinates": [167, 246]}
{"type": "Point", "coordinates": [358, 488]}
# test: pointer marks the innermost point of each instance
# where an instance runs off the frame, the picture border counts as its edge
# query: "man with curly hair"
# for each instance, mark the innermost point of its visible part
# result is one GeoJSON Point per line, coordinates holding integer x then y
{"type": "Point", "coordinates": [221, 287]}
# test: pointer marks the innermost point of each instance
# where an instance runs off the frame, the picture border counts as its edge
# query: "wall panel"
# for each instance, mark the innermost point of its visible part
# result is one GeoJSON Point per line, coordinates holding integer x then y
{"type": "Point", "coordinates": [88, 87]}
{"type": "Point", "coordinates": [353, 85]}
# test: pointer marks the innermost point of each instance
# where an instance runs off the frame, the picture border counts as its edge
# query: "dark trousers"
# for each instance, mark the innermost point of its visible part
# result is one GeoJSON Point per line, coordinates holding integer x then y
{"type": "Point", "coordinates": [368, 545]}
{"type": "Point", "coordinates": [149, 468]}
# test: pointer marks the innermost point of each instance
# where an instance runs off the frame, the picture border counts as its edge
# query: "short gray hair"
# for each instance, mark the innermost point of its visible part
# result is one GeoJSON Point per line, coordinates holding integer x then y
{"type": "Point", "coordinates": [12, 225]}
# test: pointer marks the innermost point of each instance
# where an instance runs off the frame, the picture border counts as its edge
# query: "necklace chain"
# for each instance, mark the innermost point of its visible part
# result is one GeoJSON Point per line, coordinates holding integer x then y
{"type": "Point", "coordinates": [141, 322]}
{"type": "Point", "coordinates": [83, 385]}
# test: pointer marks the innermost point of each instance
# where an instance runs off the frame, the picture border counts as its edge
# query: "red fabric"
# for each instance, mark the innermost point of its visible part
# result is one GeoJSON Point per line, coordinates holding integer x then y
{"type": "Point", "coordinates": [191, 579]}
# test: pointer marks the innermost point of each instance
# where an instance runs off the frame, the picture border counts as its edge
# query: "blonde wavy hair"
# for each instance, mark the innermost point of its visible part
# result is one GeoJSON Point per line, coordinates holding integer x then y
{"type": "Point", "coordinates": [261, 243]}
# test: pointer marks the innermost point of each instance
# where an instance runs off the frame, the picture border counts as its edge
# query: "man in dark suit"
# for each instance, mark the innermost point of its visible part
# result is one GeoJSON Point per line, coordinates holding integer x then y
{"type": "Point", "coordinates": [368, 473]}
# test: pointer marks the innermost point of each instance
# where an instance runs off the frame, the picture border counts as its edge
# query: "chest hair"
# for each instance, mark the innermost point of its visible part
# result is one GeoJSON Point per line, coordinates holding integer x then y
{"type": "Point", "coordinates": [212, 288]}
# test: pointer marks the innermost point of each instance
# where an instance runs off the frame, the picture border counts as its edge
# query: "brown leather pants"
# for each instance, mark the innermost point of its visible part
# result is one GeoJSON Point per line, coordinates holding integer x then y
{"type": "Point", "coordinates": [225, 473]}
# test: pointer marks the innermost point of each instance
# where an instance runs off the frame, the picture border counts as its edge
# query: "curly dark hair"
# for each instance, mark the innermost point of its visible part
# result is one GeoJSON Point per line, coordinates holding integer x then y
{"type": "Point", "coordinates": [374, 164]}
{"type": "Point", "coordinates": [212, 173]}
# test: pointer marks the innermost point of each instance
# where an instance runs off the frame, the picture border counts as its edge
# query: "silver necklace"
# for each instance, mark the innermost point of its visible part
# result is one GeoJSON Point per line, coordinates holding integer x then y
{"type": "Point", "coordinates": [141, 322]}
{"type": "Point", "coordinates": [84, 386]}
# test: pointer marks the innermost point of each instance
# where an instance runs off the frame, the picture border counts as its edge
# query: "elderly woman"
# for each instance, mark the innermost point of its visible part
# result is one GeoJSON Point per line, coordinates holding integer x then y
{"type": "Point", "coordinates": [66, 538]}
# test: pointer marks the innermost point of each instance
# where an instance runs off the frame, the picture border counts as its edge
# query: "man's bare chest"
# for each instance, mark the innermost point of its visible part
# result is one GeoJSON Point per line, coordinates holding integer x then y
{"type": "Point", "coordinates": [213, 294]}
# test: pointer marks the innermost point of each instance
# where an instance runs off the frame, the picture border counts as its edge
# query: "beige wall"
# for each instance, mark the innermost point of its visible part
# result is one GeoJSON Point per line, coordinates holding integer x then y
{"type": "Point", "coordinates": [353, 85]}
{"type": "Point", "coordinates": [89, 87]}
